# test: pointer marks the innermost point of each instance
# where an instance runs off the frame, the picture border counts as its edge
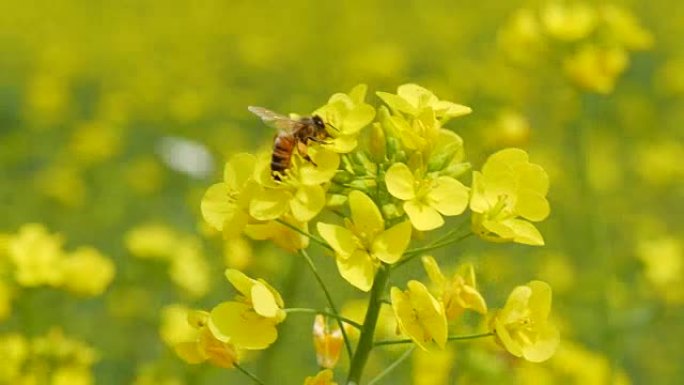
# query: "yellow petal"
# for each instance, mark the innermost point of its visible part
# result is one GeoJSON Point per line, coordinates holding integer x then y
{"type": "Point", "coordinates": [323, 168]}
{"type": "Point", "coordinates": [216, 205]}
{"type": "Point", "coordinates": [406, 317]}
{"type": "Point", "coordinates": [525, 232]}
{"type": "Point", "coordinates": [533, 177]}
{"type": "Point", "coordinates": [343, 144]}
{"type": "Point", "coordinates": [190, 352]}
{"type": "Point", "coordinates": [358, 93]}
{"type": "Point", "coordinates": [433, 271]}
{"type": "Point", "coordinates": [505, 338]}
{"type": "Point", "coordinates": [540, 300]}
{"type": "Point", "coordinates": [532, 205]}
{"type": "Point", "coordinates": [422, 216]}
{"type": "Point", "coordinates": [339, 238]}
{"type": "Point", "coordinates": [397, 103]}
{"type": "Point", "coordinates": [307, 202]}
{"type": "Point", "coordinates": [400, 182]}
{"type": "Point", "coordinates": [239, 170]}
{"type": "Point", "coordinates": [478, 199]}
{"type": "Point", "coordinates": [234, 223]}
{"type": "Point", "coordinates": [391, 244]}
{"type": "Point", "coordinates": [451, 110]}
{"type": "Point", "coordinates": [358, 269]}
{"type": "Point", "coordinates": [448, 196]}
{"type": "Point", "coordinates": [269, 204]}
{"type": "Point", "coordinates": [505, 159]}
{"type": "Point", "coordinates": [365, 214]}
{"type": "Point", "coordinates": [545, 344]}
{"type": "Point", "coordinates": [240, 281]}
{"type": "Point", "coordinates": [238, 324]}
{"type": "Point", "coordinates": [357, 118]}
{"type": "Point", "coordinates": [263, 301]}
{"type": "Point", "coordinates": [416, 95]}
{"type": "Point", "coordinates": [429, 311]}
{"type": "Point", "coordinates": [473, 299]}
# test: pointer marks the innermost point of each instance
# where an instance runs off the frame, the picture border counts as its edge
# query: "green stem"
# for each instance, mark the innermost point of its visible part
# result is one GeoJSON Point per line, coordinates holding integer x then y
{"type": "Point", "coordinates": [248, 374]}
{"type": "Point", "coordinates": [393, 365]}
{"type": "Point", "coordinates": [325, 313]}
{"type": "Point", "coordinates": [413, 253]}
{"type": "Point", "coordinates": [314, 238]}
{"type": "Point", "coordinates": [366, 339]}
{"type": "Point", "coordinates": [331, 303]}
{"type": "Point", "coordinates": [450, 338]}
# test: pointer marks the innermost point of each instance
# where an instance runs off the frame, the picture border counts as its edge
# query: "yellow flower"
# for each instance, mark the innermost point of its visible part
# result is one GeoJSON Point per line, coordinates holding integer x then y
{"type": "Point", "coordinates": [521, 37]}
{"type": "Point", "coordinates": [72, 375]}
{"type": "Point", "coordinates": [14, 350]}
{"type": "Point", "coordinates": [663, 260]}
{"type": "Point", "coordinates": [364, 243]}
{"type": "Point", "coordinates": [412, 99]}
{"type": "Point", "coordinates": [522, 326]}
{"type": "Point", "coordinates": [36, 255]}
{"type": "Point", "coordinates": [328, 342]}
{"type": "Point", "coordinates": [509, 187]}
{"type": "Point", "coordinates": [250, 322]}
{"type": "Point", "coordinates": [569, 22]}
{"type": "Point", "coordinates": [457, 294]}
{"type": "Point", "coordinates": [347, 114]}
{"type": "Point", "coordinates": [324, 377]}
{"type": "Point", "coordinates": [201, 345]}
{"type": "Point", "coordinates": [426, 198]}
{"type": "Point", "coordinates": [419, 315]}
{"type": "Point", "coordinates": [151, 241]}
{"type": "Point", "coordinates": [225, 205]}
{"type": "Point", "coordinates": [87, 272]}
{"type": "Point", "coordinates": [301, 194]}
{"type": "Point", "coordinates": [596, 68]}
{"type": "Point", "coordinates": [189, 268]}
{"type": "Point", "coordinates": [626, 28]}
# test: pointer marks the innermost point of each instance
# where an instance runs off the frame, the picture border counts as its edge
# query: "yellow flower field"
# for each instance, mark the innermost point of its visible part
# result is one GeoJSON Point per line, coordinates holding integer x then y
{"type": "Point", "coordinates": [360, 192]}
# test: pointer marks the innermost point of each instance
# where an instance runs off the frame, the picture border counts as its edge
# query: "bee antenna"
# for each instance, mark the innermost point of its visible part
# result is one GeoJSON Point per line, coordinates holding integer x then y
{"type": "Point", "coordinates": [333, 127]}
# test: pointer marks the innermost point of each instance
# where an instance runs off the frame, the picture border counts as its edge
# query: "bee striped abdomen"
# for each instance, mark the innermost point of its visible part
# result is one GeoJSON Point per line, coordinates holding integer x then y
{"type": "Point", "coordinates": [283, 147]}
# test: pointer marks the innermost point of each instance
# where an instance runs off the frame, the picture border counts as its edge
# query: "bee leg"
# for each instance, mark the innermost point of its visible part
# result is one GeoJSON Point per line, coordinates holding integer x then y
{"type": "Point", "coordinates": [302, 149]}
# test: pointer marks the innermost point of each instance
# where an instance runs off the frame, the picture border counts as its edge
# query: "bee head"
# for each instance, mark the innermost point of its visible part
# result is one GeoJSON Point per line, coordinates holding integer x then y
{"type": "Point", "coordinates": [318, 121]}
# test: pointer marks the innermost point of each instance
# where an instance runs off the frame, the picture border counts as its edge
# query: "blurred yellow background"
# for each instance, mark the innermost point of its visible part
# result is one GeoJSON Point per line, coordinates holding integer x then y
{"type": "Point", "coordinates": [116, 116]}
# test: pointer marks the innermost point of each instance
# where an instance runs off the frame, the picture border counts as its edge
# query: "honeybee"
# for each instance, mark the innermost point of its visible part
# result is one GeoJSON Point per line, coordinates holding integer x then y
{"type": "Point", "coordinates": [291, 134]}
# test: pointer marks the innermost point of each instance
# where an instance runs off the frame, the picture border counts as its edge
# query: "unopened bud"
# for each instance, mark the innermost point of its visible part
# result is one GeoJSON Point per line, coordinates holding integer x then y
{"type": "Point", "coordinates": [441, 159]}
{"type": "Point", "coordinates": [328, 342]}
{"type": "Point", "coordinates": [456, 170]}
{"type": "Point", "coordinates": [377, 145]}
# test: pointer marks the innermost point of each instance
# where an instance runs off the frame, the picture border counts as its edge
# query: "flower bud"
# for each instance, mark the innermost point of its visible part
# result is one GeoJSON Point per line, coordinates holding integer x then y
{"type": "Point", "coordinates": [456, 170]}
{"type": "Point", "coordinates": [441, 159]}
{"type": "Point", "coordinates": [377, 145]}
{"type": "Point", "coordinates": [328, 342]}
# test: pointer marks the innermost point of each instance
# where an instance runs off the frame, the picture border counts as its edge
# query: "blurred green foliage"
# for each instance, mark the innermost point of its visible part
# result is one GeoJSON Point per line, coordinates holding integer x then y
{"type": "Point", "coordinates": [107, 109]}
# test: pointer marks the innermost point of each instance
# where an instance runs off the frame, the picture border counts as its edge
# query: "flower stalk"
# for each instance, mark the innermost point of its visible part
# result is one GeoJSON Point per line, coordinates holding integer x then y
{"type": "Point", "coordinates": [365, 345]}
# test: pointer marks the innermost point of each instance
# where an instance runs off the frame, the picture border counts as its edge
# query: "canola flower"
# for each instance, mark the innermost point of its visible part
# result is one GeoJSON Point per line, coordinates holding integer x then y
{"type": "Point", "coordinates": [592, 41]}
{"type": "Point", "coordinates": [364, 243]}
{"type": "Point", "coordinates": [458, 293]}
{"type": "Point", "coordinates": [508, 194]}
{"type": "Point", "coordinates": [203, 345]}
{"type": "Point", "coordinates": [384, 172]}
{"type": "Point", "coordinates": [522, 325]}
{"type": "Point", "coordinates": [250, 320]}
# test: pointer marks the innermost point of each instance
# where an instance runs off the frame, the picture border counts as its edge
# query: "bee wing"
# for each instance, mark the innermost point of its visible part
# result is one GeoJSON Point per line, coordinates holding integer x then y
{"type": "Point", "coordinates": [274, 119]}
